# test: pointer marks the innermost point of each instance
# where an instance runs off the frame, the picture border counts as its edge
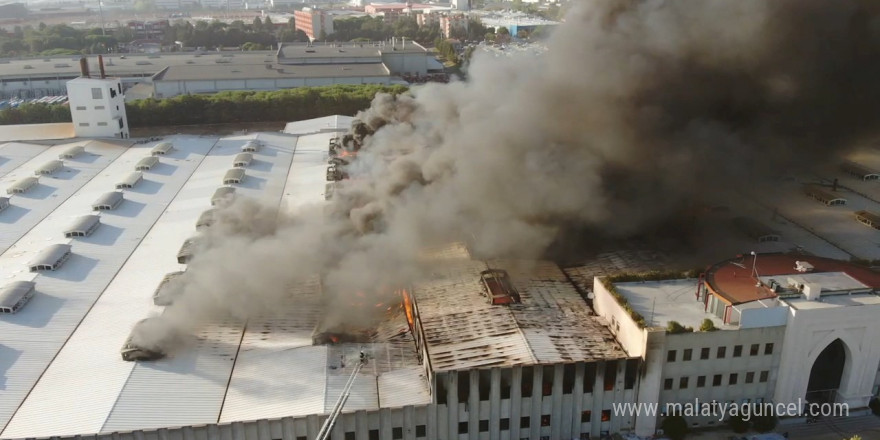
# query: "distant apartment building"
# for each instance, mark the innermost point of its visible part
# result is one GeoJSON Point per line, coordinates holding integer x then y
{"type": "Point", "coordinates": [452, 22]}
{"type": "Point", "coordinates": [427, 19]}
{"type": "Point", "coordinates": [148, 30]}
{"type": "Point", "coordinates": [232, 5]}
{"type": "Point", "coordinates": [313, 21]}
{"type": "Point", "coordinates": [175, 4]}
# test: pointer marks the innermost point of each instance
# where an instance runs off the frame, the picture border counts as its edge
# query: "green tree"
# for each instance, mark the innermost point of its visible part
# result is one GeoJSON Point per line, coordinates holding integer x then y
{"type": "Point", "coordinates": [675, 427]}
{"type": "Point", "coordinates": [708, 326]}
{"type": "Point", "coordinates": [674, 327]}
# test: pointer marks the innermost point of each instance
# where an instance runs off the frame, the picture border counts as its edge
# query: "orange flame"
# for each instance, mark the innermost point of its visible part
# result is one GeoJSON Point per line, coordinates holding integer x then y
{"type": "Point", "coordinates": [334, 339]}
{"type": "Point", "coordinates": [408, 307]}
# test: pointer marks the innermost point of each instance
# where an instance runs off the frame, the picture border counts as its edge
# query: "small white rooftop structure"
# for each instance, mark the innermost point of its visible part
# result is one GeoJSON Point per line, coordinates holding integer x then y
{"type": "Point", "coordinates": [803, 266]}
{"type": "Point", "coordinates": [827, 282]}
{"type": "Point", "coordinates": [72, 152]}
{"type": "Point", "coordinates": [234, 175]}
{"type": "Point", "coordinates": [821, 195]}
{"type": "Point", "coordinates": [206, 219]}
{"type": "Point", "coordinates": [108, 201]}
{"type": "Point", "coordinates": [161, 297]}
{"type": "Point", "coordinates": [242, 160]}
{"type": "Point", "coordinates": [22, 185]}
{"type": "Point", "coordinates": [162, 148]}
{"type": "Point", "coordinates": [50, 258]}
{"type": "Point", "coordinates": [251, 146]}
{"type": "Point", "coordinates": [15, 295]}
{"type": "Point", "coordinates": [83, 226]}
{"type": "Point", "coordinates": [49, 168]}
{"type": "Point", "coordinates": [859, 171]}
{"type": "Point", "coordinates": [224, 194]}
{"type": "Point", "coordinates": [187, 250]}
{"type": "Point", "coordinates": [146, 163]}
{"type": "Point", "coordinates": [130, 180]}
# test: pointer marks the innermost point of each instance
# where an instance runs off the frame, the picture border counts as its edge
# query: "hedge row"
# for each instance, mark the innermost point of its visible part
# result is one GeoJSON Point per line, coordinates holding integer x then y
{"type": "Point", "coordinates": [225, 107]}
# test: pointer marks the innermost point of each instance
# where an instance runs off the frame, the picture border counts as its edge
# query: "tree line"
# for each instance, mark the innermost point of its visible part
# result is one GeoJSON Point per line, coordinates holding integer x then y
{"type": "Point", "coordinates": [225, 107]}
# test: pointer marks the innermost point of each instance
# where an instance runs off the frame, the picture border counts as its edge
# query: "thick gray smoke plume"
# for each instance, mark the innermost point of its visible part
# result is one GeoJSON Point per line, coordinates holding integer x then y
{"type": "Point", "coordinates": [637, 107]}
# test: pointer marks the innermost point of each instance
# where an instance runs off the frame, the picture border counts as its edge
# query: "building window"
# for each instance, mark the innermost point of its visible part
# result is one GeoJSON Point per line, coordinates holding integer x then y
{"type": "Point", "coordinates": [567, 378]}
{"type": "Point", "coordinates": [670, 356]}
{"type": "Point", "coordinates": [462, 427]}
{"type": "Point", "coordinates": [506, 380]}
{"type": "Point", "coordinates": [484, 426]}
{"type": "Point", "coordinates": [722, 352]}
{"type": "Point", "coordinates": [704, 353]}
{"type": "Point", "coordinates": [733, 378]}
{"type": "Point", "coordinates": [441, 389]}
{"type": "Point", "coordinates": [523, 422]}
{"type": "Point", "coordinates": [547, 380]}
{"type": "Point", "coordinates": [589, 377]}
{"type": "Point", "coordinates": [750, 377]}
{"type": "Point", "coordinates": [464, 386]}
{"type": "Point", "coordinates": [753, 350]}
{"type": "Point", "coordinates": [374, 434]}
{"type": "Point", "coordinates": [606, 415]}
{"type": "Point", "coordinates": [686, 354]}
{"type": "Point", "coordinates": [348, 435]}
{"type": "Point", "coordinates": [586, 416]}
{"type": "Point", "coordinates": [683, 383]}
{"type": "Point", "coordinates": [421, 431]}
{"type": "Point", "coordinates": [737, 351]}
{"type": "Point", "coordinates": [98, 94]}
{"type": "Point", "coordinates": [716, 380]}
{"type": "Point", "coordinates": [485, 377]}
{"type": "Point", "coordinates": [302, 437]}
{"type": "Point", "coordinates": [102, 124]}
{"type": "Point", "coordinates": [545, 420]}
{"type": "Point", "coordinates": [768, 348]}
{"type": "Point", "coordinates": [527, 382]}
{"type": "Point", "coordinates": [632, 371]}
{"type": "Point", "coordinates": [701, 381]}
{"type": "Point", "coordinates": [83, 124]}
{"type": "Point", "coordinates": [396, 433]}
{"type": "Point", "coordinates": [667, 384]}
{"type": "Point", "coordinates": [505, 424]}
{"type": "Point", "coordinates": [610, 375]}
{"type": "Point", "coordinates": [99, 107]}
{"type": "Point", "coordinates": [80, 107]}
{"type": "Point", "coordinates": [764, 376]}
{"type": "Point", "coordinates": [120, 123]}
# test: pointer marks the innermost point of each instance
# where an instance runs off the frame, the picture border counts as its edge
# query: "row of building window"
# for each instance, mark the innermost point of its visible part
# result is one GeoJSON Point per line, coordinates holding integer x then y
{"type": "Point", "coordinates": [547, 379]}
{"type": "Point", "coordinates": [97, 107]}
{"type": "Point", "coordinates": [86, 124]}
{"type": "Point", "coordinates": [717, 380]}
{"type": "Point", "coordinates": [720, 352]}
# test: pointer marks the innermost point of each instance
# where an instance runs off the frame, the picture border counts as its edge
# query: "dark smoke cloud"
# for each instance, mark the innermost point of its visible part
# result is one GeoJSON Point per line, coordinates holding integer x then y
{"type": "Point", "coordinates": [637, 108]}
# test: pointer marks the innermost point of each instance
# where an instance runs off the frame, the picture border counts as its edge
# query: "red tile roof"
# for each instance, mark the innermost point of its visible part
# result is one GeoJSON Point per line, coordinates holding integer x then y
{"type": "Point", "coordinates": [734, 282]}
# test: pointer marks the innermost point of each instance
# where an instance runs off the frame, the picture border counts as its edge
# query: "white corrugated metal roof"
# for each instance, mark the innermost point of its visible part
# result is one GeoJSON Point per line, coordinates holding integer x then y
{"type": "Point", "coordinates": [326, 124]}
{"type": "Point", "coordinates": [14, 154]}
{"type": "Point", "coordinates": [65, 344]}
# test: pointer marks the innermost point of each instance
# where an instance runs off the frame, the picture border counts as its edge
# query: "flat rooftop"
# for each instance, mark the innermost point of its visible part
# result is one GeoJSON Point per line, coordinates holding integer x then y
{"type": "Point", "coordinates": [316, 51]}
{"type": "Point", "coordinates": [833, 301]}
{"type": "Point", "coordinates": [734, 279]}
{"type": "Point", "coordinates": [663, 301]}
{"type": "Point", "coordinates": [270, 71]}
{"type": "Point", "coordinates": [64, 344]}
{"type": "Point", "coordinates": [552, 324]}
{"type": "Point", "coordinates": [33, 132]}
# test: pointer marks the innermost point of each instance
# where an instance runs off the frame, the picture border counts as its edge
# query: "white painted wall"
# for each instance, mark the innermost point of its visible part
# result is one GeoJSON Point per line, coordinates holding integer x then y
{"type": "Point", "coordinates": [811, 330]}
{"type": "Point", "coordinates": [97, 107]}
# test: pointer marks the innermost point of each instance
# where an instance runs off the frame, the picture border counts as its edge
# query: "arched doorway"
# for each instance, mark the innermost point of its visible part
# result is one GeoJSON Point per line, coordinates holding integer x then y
{"type": "Point", "coordinates": [827, 372]}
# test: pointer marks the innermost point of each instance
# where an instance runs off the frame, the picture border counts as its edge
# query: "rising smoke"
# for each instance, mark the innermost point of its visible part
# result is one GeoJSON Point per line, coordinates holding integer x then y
{"type": "Point", "coordinates": [637, 108]}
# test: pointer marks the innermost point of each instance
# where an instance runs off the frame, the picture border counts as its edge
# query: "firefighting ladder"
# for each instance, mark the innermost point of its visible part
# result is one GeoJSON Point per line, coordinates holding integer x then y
{"type": "Point", "coordinates": [324, 433]}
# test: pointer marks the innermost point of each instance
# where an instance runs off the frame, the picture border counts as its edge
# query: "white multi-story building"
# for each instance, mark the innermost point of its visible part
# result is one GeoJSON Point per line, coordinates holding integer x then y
{"type": "Point", "coordinates": [791, 330]}
{"type": "Point", "coordinates": [97, 107]}
{"type": "Point", "coordinates": [461, 5]}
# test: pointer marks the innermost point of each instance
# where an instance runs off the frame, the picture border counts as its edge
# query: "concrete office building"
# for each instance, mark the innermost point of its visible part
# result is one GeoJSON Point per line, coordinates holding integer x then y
{"type": "Point", "coordinates": [791, 329]}
{"type": "Point", "coordinates": [97, 105]}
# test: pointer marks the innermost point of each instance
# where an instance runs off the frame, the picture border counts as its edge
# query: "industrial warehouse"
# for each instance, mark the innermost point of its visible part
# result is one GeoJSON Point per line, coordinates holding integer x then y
{"type": "Point", "coordinates": [170, 74]}
{"type": "Point", "coordinates": [507, 348]}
